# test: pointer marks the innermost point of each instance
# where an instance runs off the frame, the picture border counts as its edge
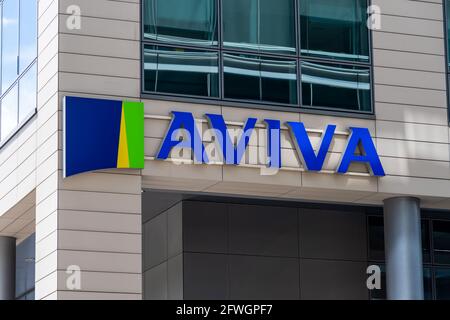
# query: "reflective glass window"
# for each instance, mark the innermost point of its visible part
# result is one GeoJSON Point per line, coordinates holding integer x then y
{"type": "Point", "coordinates": [336, 86]}
{"type": "Point", "coordinates": [426, 255]}
{"type": "Point", "coordinates": [427, 284]}
{"type": "Point", "coordinates": [181, 71]}
{"type": "Point", "coordinates": [10, 43]}
{"type": "Point", "coordinates": [376, 238]}
{"type": "Point", "coordinates": [259, 48]}
{"type": "Point", "coordinates": [335, 29]}
{"type": "Point", "coordinates": [442, 283]}
{"type": "Point", "coordinates": [262, 25]}
{"type": "Point", "coordinates": [9, 112]}
{"type": "Point", "coordinates": [248, 77]}
{"type": "Point", "coordinates": [441, 241]}
{"type": "Point", "coordinates": [28, 33]}
{"type": "Point", "coordinates": [27, 93]}
{"type": "Point", "coordinates": [191, 22]}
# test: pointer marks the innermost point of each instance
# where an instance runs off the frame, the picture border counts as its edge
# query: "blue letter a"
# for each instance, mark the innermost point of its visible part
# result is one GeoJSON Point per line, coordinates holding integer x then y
{"type": "Point", "coordinates": [183, 121]}
{"type": "Point", "coordinates": [361, 136]}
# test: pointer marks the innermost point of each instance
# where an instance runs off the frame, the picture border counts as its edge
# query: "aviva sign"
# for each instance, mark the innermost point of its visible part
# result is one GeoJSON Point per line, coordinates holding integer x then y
{"type": "Point", "coordinates": [104, 134]}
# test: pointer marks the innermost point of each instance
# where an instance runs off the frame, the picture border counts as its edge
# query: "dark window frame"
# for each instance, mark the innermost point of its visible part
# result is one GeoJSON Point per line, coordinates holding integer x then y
{"type": "Point", "coordinates": [299, 108]}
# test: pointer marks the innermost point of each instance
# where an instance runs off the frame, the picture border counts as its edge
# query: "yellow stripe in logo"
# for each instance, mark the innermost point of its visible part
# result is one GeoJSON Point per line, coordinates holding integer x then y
{"type": "Point", "coordinates": [123, 160]}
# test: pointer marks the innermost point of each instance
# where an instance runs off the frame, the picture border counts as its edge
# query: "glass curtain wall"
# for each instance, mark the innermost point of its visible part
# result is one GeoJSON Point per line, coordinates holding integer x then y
{"type": "Point", "coordinates": [18, 51]}
{"type": "Point", "coordinates": [297, 53]}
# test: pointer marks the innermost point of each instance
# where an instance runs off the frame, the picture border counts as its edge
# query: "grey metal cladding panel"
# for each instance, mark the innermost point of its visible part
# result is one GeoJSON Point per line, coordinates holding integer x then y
{"type": "Point", "coordinates": [155, 241]}
{"type": "Point", "coordinates": [264, 278]}
{"type": "Point", "coordinates": [175, 230]}
{"type": "Point", "coordinates": [333, 280]}
{"type": "Point", "coordinates": [205, 276]}
{"type": "Point", "coordinates": [175, 278]}
{"type": "Point", "coordinates": [332, 235]}
{"type": "Point", "coordinates": [263, 230]}
{"type": "Point", "coordinates": [154, 203]}
{"type": "Point", "coordinates": [205, 227]}
{"type": "Point", "coordinates": [155, 283]}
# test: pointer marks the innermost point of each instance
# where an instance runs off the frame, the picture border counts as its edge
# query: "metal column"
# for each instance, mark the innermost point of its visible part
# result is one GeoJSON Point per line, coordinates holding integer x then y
{"type": "Point", "coordinates": [7, 268]}
{"type": "Point", "coordinates": [403, 246]}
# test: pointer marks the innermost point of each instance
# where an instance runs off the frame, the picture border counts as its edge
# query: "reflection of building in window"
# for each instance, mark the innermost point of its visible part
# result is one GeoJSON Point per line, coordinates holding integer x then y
{"type": "Point", "coordinates": [255, 51]}
{"type": "Point", "coordinates": [18, 64]}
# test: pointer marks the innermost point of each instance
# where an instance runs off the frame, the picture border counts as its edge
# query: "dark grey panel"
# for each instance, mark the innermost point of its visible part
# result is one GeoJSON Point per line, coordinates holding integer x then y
{"type": "Point", "coordinates": [263, 230]}
{"type": "Point", "coordinates": [332, 235]}
{"type": "Point", "coordinates": [264, 278]}
{"type": "Point", "coordinates": [334, 280]}
{"type": "Point", "coordinates": [175, 278]}
{"type": "Point", "coordinates": [155, 283]}
{"type": "Point", "coordinates": [205, 276]}
{"type": "Point", "coordinates": [205, 227]}
{"type": "Point", "coordinates": [154, 203]}
{"type": "Point", "coordinates": [175, 230]}
{"type": "Point", "coordinates": [155, 241]}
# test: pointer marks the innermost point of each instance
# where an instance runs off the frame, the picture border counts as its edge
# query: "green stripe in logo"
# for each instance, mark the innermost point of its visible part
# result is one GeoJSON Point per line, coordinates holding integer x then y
{"type": "Point", "coordinates": [134, 118]}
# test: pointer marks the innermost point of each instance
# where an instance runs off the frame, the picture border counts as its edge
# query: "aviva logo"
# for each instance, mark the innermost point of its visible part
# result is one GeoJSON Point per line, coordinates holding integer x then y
{"type": "Point", "coordinates": [102, 134]}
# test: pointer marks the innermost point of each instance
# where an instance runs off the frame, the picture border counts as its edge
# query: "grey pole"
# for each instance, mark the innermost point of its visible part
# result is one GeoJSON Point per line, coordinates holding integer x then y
{"type": "Point", "coordinates": [7, 268]}
{"type": "Point", "coordinates": [403, 246]}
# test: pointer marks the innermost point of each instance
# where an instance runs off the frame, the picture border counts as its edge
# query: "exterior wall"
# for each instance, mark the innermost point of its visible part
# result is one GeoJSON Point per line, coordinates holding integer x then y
{"type": "Point", "coordinates": [92, 221]}
{"type": "Point", "coordinates": [411, 126]}
{"type": "Point", "coordinates": [48, 143]}
{"type": "Point", "coordinates": [411, 100]}
{"type": "Point", "coordinates": [230, 250]}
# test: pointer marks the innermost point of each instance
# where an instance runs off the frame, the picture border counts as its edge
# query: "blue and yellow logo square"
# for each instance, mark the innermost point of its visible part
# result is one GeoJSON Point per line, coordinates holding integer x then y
{"type": "Point", "coordinates": [102, 134]}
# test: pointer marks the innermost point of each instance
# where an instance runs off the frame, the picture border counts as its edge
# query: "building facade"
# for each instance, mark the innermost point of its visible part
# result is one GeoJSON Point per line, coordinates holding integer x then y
{"type": "Point", "coordinates": [297, 212]}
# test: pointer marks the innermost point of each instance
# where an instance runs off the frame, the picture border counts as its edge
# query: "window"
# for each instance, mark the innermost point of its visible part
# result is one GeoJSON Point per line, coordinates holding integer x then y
{"type": "Point", "coordinates": [27, 100]}
{"type": "Point", "coordinates": [292, 53]}
{"type": "Point", "coordinates": [25, 274]}
{"type": "Point", "coordinates": [443, 284]}
{"type": "Point", "coordinates": [436, 256]}
{"type": "Point", "coordinates": [181, 71]}
{"type": "Point", "coordinates": [28, 33]}
{"type": "Point", "coordinates": [336, 86]}
{"type": "Point", "coordinates": [376, 238]}
{"type": "Point", "coordinates": [191, 22]}
{"type": "Point", "coordinates": [9, 115]}
{"type": "Point", "coordinates": [10, 42]}
{"type": "Point", "coordinates": [18, 47]}
{"type": "Point", "coordinates": [260, 25]}
{"type": "Point", "coordinates": [441, 241]}
{"type": "Point", "coordinates": [248, 77]}
{"type": "Point", "coordinates": [334, 29]}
